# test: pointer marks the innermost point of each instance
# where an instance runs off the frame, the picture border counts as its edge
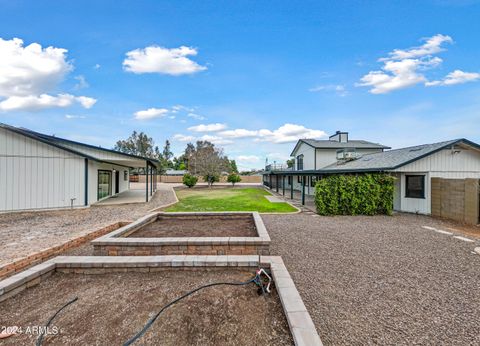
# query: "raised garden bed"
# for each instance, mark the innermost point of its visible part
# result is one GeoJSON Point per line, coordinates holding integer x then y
{"type": "Point", "coordinates": [19, 265]}
{"type": "Point", "coordinates": [116, 303]}
{"type": "Point", "coordinates": [219, 233]}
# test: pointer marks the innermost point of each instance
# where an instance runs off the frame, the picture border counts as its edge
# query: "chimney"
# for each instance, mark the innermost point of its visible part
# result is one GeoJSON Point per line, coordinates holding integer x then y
{"type": "Point", "coordinates": [339, 136]}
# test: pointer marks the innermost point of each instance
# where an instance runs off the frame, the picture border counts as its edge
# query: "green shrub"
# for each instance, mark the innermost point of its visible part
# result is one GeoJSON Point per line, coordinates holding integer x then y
{"type": "Point", "coordinates": [234, 178]}
{"type": "Point", "coordinates": [363, 194]}
{"type": "Point", "coordinates": [189, 180]}
{"type": "Point", "coordinates": [211, 178]}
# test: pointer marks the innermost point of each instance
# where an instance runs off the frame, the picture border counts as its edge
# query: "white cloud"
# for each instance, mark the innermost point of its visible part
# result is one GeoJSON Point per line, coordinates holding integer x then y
{"type": "Point", "coordinates": [196, 116]}
{"type": "Point", "coordinates": [177, 108]}
{"type": "Point", "coordinates": [456, 77]}
{"type": "Point", "coordinates": [97, 66]}
{"type": "Point", "coordinates": [248, 158]}
{"type": "Point", "coordinates": [44, 101]}
{"type": "Point", "coordinates": [238, 133]}
{"type": "Point", "coordinates": [28, 74]}
{"type": "Point", "coordinates": [151, 113]}
{"type": "Point", "coordinates": [215, 140]}
{"type": "Point", "coordinates": [289, 133]}
{"type": "Point", "coordinates": [340, 90]}
{"type": "Point", "coordinates": [405, 68]}
{"type": "Point", "coordinates": [208, 127]}
{"type": "Point", "coordinates": [82, 82]}
{"type": "Point", "coordinates": [155, 59]}
{"type": "Point", "coordinates": [73, 116]}
{"type": "Point", "coordinates": [183, 138]}
{"type": "Point", "coordinates": [432, 45]}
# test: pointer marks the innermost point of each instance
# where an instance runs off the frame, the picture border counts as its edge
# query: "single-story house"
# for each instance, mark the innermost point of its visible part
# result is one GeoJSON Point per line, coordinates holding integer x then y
{"type": "Point", "coordinates": [414, 167]}
{"type": "Point", "coordinates": [39, 171]}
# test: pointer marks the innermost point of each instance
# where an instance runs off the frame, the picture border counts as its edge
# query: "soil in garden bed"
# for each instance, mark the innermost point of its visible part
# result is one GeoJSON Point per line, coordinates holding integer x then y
{"type": "Point", "coordinates": [199, 226]}
{"type": "Point", "coordinates": [113, 307]}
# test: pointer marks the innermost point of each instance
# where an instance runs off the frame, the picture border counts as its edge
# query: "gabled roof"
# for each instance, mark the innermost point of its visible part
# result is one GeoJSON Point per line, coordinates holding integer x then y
{"type": "Point", "coordinates": [57, 142]}
{"type": "Point", "coordinates": [328, 144]}
{"type": "Point", "coordinates": [393, 159]}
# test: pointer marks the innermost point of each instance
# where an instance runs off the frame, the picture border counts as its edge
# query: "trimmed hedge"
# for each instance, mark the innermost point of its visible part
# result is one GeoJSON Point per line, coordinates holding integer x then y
{"type": "Point", "coordinates": [364, 194]}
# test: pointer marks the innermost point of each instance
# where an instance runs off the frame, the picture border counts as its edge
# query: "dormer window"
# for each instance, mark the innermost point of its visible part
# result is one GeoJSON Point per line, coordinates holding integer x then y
{"type": "Point", "coordinates": [300, 162]}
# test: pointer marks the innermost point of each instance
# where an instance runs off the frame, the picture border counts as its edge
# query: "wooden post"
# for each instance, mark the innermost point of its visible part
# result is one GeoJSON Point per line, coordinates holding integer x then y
{"type": "Point", "coordinates": [303, 190]}
{"type": "Point", "coordinates": [283, 185]}
{"type": "Point", "coordinates": [146, 182]}
{"type": "Point", "coordinates": [291, 188]}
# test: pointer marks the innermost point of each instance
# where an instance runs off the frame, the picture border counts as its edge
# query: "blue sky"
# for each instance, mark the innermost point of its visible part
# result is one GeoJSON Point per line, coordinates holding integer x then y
{"type": "Point", "coordinates": [252, 76]}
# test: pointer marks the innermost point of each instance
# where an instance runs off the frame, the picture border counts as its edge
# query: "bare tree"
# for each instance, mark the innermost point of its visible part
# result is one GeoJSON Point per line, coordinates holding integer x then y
{"type": "Point", "coordinates": [207, 161]}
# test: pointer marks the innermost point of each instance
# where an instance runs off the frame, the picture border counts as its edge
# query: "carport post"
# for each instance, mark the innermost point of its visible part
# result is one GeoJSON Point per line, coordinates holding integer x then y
{"type": "Point", "coordinates": [146, 182]}
{"type": "Point", "coordinates": [283, 185]}
{"type": "Point", "coordinates": [303, 190]}
{"type": "Point", "coordinates": [291, 188]}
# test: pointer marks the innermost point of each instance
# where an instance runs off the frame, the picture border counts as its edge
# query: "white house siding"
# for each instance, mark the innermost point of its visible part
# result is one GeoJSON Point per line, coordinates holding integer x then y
{"type": "Point", "coordinates": [93, 168]}
{"type": "Point", "coordinates": [34, 175]}
{"type": "Point", "coordinates": [308, 156]}
{"type": "Point", "coordinates": [443, 164]}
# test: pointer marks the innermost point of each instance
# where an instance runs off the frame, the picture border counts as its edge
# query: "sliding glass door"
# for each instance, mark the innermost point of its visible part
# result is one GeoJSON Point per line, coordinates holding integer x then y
{"type": "Point", "coordinates": [104, 184]}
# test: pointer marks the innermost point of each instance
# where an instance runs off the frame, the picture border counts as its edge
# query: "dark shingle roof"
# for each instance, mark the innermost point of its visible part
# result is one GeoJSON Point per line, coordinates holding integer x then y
{"type": "Point", "coordinates": [327, 144]}
{"type": "Point", "coordinates": [392, 159]}
{"type": "Point", "coordinates": [57, 142]}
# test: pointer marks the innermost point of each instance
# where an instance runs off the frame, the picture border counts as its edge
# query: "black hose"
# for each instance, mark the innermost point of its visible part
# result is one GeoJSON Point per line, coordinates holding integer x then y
{"type": "Point", "coordinates": [154, 318]}
{"type": "Point", "coordinates": [40, 338]}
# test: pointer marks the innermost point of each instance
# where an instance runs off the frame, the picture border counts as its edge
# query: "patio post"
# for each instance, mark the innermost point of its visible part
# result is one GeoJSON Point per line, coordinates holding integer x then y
{"type": "Point", "coordinates": [303, 190]}
{"type": "Point", "coordinates": [283, 185]}
{"type": "Point", "coordinates": [270, 181]}
{"type": "Point", "coordinates": [276, 183]}
{"type": "Point", "coordinates": [146, 182]}
{"type": "Point", "coordinates": [291, 188]}
{"type": "Point", "coordinates": [151, 181]}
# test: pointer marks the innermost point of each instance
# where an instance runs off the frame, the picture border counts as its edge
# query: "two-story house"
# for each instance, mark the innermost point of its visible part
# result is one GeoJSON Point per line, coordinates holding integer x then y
{"type": "Point", "coordinates": [312, 155]}
{"type": "Point", "coordinates": [418, 171]}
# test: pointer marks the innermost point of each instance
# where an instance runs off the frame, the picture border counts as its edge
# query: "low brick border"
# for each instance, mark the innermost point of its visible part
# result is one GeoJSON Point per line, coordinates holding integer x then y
{"type": "Point", "coordinates": [113, 244]}
{"type": "Point", "coordinates": [299, 320]}
{"type": "Point", "coordinates": [19, 265]}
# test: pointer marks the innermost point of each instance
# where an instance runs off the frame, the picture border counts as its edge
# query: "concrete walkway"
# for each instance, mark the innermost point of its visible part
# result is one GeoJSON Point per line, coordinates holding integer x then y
{"type": "Point", "coordinates": [125, 197]}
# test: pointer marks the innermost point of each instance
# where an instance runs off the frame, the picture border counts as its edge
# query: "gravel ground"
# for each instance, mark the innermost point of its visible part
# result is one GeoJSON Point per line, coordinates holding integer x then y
{"type": "Point", "coordinates": [23, 234]}
{"type": "Point", "coordinates": [381, 280]}
{"type": "Point", "coordinates": [111, 308]}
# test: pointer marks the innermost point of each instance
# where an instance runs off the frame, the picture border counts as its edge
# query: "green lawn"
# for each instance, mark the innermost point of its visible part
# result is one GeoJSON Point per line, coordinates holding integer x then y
{"type": "Point", "coordinates": [227, 199]}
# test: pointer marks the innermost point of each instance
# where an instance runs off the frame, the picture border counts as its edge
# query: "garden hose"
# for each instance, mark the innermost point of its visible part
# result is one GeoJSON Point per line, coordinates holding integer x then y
{"type": "Point", "coordinates": [257, 280]}
{"type": "Point", "coordinates": [42, 334]}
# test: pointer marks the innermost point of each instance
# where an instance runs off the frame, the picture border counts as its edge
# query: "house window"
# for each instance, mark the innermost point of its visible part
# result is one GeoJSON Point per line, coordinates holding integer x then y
{"type": "Point", "coordinates": [313, 181]}
{"type": "Point", "coordinates": [300, 162]}
{"type": "Point", "coordinates": [125, 175]}
{"type": "Point", "coordinates": [415, 186]}
{"type": "Point", "coordinates": [289, 178]}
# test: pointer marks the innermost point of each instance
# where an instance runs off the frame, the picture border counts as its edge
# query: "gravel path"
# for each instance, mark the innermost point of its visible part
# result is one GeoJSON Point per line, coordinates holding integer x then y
{"type": "Point", "coordinates": [381, 280]}
{"type": "Point", "coordinates": [23, 234]}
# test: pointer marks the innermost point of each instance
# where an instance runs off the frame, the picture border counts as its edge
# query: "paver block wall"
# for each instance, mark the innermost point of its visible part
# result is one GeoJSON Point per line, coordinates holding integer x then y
{"type": "Point", "coordinates": [456, 199]}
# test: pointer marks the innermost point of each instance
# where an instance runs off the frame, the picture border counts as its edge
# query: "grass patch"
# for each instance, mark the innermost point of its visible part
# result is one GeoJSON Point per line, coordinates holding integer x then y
{"type": "Point", "coordinates": [227, 199]}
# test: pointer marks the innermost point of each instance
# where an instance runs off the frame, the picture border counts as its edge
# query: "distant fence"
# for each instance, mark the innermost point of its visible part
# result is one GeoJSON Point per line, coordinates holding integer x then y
{"type": "Point", "coordinates": [250, 179]}
{"type": "Point", "coordinates": [456, 199]}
